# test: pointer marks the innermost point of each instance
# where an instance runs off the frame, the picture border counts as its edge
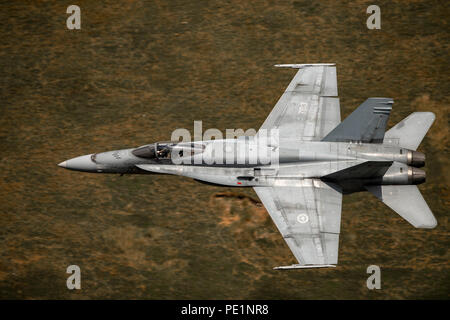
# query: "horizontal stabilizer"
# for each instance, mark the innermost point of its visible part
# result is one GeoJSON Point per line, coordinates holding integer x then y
{"type": "Point", "coordinates": [408, 202]}
{"type": "Point", "coordinates": [302, 266]}
{"type": "Point", "coordinates": [366, 124]}
{"type": "Point", "coordinates": [368, 169]}
{"type": "Point", "coordinates": [409, 132]}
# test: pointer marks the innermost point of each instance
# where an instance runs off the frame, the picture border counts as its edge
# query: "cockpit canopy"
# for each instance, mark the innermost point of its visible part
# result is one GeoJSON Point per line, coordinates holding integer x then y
{"type": "Point", "coordinates": [165, 150]}
{"type": "Point", "coordinates": [158, 150]}
{"type": "Point", "coordinates": [147, 152]}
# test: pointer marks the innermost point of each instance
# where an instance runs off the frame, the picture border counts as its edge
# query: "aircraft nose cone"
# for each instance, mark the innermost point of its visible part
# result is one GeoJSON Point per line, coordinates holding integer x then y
{"type": "Point", "coordinates": [82, 163]}
{"type": "Point", "coordinates": [63, 164]}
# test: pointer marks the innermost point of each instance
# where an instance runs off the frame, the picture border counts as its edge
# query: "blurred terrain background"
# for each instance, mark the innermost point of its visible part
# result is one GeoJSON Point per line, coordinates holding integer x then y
{"type": "Point", "coordinates": [136, 71]}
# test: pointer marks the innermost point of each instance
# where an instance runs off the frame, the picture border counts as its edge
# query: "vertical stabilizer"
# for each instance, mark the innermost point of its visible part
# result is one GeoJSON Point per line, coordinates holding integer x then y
{"type": "Point", "coordinates": [366, 124]}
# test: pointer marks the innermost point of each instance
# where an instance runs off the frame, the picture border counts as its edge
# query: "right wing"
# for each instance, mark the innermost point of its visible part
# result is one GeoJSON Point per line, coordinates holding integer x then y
{"type": "Point", "coordinates": [308, 216]}
{"type": "Point", "coordinates": [309, 108]}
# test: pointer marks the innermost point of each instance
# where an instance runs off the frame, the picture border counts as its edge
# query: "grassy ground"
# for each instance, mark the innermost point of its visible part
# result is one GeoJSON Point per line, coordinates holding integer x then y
{"type": "Point", "coordinates": [138, 70]}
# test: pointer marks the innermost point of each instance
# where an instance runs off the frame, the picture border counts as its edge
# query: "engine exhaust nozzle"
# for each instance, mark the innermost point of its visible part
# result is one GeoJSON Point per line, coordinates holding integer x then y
{"type": "Point", "coordinates": [416, 159]}
{"type": "Point", "coordinates": [416, 176]}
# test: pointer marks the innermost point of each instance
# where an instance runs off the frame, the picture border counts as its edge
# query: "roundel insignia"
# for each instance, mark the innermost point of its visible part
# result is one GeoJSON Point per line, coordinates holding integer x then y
{"type": "Point", "coordinates": [302, 218]}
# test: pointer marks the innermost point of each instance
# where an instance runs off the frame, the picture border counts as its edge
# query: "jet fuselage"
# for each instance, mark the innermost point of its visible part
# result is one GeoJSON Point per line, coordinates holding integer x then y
{"type": "Point", "coordinates": [246, 161]}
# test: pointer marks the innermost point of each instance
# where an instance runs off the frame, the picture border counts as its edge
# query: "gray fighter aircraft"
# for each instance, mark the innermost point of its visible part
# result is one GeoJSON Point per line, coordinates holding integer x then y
{"type": "Point", "coordinates": [302, 164]}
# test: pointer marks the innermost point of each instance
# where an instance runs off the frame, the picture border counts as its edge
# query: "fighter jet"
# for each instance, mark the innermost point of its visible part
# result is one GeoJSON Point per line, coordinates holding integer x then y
{"type": "Point", "coordinates": [300, 162]}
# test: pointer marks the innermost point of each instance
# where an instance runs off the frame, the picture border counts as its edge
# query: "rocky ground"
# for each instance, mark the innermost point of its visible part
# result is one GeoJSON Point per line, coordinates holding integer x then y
{"type": "Point", "coordinates": [138, 70]}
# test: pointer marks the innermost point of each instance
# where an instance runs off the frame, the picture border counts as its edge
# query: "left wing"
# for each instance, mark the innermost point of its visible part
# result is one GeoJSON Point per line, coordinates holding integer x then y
{"type": "Point", "coordinates": [309, 108]}
{"type": "Point", "coordinates": [308, 215]}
